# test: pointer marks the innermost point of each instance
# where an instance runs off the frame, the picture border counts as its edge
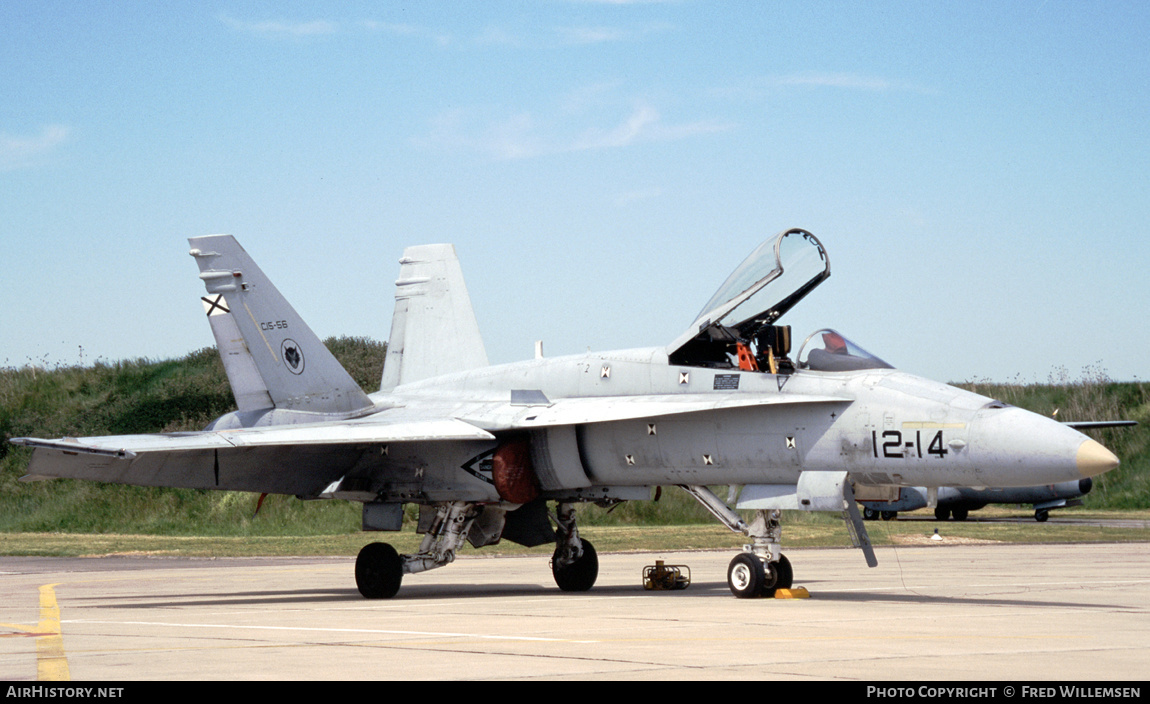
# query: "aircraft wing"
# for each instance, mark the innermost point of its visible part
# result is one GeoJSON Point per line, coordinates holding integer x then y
{"type": "Point", "coordinates": [304, 459]}
{"type": "Point", "coordinates": [602, 409]}
{"type": "Point", "coordinates": [286, 459]}
{"type": "Point", "coordinates": [329, 433]}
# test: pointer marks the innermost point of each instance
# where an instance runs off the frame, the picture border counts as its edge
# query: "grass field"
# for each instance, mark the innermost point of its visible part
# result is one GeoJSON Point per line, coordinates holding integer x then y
{"type": "Point", "coordinates": [817, 530]}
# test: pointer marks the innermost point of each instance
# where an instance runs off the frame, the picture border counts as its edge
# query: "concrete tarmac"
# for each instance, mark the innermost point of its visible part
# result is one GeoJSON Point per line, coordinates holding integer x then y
{"type": "Point", "coordinates": [1007, 613]}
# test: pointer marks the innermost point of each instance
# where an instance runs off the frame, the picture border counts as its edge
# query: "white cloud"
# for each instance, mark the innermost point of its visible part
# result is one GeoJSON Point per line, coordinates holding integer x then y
{"type": "Point", "coordinates": [523, 136]}
{"type": "Point", "coordinates": [18, 151]}
{"type": "Point", "coordinates": [496, 36]}
{"type": "Point", "coordinates": [644, 124]}
{"type": "Point", "coordinates": [592, 35]}
{"type": "Point", "coordinates": [407, 30]}
{"type": "Point", "coordinates": [625, 199]}
{"type": "Point", "coordinates": [850, 81]}
{"type": "Point", "coordinates": [600, 35]}
{"type": "Point", "coordinates": [282, 28]}
{"type": "Point", "coordinates": [820, 79]}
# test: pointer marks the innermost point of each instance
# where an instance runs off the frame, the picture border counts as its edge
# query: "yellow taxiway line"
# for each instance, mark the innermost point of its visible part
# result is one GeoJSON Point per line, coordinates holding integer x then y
{"type": "Point", "coordinates": [51, 663]}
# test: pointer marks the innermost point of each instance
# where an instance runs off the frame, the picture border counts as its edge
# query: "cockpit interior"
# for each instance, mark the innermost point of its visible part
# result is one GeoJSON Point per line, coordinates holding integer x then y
{"type": "Point", "coordinates": [736, 328]}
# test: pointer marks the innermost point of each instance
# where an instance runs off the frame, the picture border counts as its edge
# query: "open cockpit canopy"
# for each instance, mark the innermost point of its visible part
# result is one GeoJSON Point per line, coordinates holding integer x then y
{"type": "Point", "coordinates": [827, 351]}
{"type": "Point", "coordinates": [769, 282]}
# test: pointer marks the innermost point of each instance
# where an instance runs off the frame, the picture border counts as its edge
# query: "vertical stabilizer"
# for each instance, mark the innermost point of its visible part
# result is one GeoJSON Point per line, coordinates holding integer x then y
{"type": "Point", "coordinates": [296, 369]}
{"type": "Point", "coordinates": [433, 328]}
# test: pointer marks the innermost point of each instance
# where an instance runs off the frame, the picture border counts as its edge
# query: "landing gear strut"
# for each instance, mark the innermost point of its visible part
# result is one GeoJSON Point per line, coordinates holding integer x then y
{"type": "Point", "coordinates": [575, 564]}
{"type": "Point", "coordinates": [379, 569]}
{"type": "Point", "coordinates": [761, 569]}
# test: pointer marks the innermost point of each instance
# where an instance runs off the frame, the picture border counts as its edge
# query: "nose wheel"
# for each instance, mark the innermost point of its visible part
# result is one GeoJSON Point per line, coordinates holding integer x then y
{"type": "Point", "coordinates": [749, 576]}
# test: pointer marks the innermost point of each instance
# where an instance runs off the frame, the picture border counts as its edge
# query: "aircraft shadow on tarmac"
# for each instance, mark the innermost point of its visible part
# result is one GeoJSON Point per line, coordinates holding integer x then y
{"type": "Point", "coordinates": [414, 592]}
{"type": "Point", "coordinates": [916, 598]}
{"type": "Point", "coordinates": [417, 592]}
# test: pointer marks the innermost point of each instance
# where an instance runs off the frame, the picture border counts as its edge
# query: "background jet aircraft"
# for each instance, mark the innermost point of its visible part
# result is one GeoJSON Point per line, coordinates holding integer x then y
{"type": "Point", "coordinates": [960, 501]}
{"type": "Point", "coordinates": [483, 449]}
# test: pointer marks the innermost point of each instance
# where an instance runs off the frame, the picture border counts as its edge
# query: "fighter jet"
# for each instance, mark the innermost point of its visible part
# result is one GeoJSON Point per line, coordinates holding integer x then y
{"type": "Point", "coordinates": [482, 449]}
{"type": "Point", "coordinates": [959, 501]}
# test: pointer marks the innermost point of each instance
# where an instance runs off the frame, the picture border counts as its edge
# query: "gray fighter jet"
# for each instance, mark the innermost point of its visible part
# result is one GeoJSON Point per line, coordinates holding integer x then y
{"type": "Point", "coordinates": [959, 501]}
{"type": "Point", "coordinates": [483, 449]}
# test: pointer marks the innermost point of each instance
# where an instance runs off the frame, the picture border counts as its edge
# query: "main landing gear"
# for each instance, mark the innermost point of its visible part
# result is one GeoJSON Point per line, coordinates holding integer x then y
{"type": "Point", "coordinates": [379, 569]}
{"type": "Point", "coordinates": [575, 564]}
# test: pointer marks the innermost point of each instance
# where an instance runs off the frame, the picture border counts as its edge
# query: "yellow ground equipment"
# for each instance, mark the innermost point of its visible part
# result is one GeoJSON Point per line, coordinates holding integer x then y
{"type": "Point", "coordinates": [660, 576]}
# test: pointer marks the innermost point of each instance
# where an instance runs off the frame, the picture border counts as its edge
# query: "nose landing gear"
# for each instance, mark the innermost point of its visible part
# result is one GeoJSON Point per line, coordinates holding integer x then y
{"type": "Point", "coordinates": [761, 569]}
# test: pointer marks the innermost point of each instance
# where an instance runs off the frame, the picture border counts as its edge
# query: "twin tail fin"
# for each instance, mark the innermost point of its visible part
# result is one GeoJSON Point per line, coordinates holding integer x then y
{"type": "Point", "coordinates": [271, 356]}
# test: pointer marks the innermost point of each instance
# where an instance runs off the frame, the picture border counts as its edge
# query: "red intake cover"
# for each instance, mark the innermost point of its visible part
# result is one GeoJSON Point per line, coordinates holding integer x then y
{"type": "Point", "coordinates": [512, 472]}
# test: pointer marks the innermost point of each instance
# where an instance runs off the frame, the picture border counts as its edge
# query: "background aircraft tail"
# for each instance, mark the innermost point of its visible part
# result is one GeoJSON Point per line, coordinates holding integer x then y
{"type": "Point", "coordinates": [433, 328]}
{"type": "Point", "coordinates": [277, 359]}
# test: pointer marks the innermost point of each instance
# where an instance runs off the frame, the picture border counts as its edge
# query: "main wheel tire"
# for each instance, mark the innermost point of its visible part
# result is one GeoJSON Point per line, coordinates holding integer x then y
{"type": "Point", "coordinates": [746, 576]}
{"type": "Point", "coordinates": [960, 514]}
{"type": "Point", "coordinates": [579, 576]}
{"type": "Point", "coordinates": [941, 514]}
{"type": "Point", "coordinates": [870, 514]}
{"type": "Point", "coordinates": [786, 575]}
{"type": "Point", "coordinates": [1041, 515]}
{"type": "Point", "coordinates": [378, 571]}
{"type": "Point", "coordinates": [889, 515]}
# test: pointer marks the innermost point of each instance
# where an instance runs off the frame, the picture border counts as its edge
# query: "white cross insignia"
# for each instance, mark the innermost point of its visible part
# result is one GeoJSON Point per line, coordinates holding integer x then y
{"type": "Point", "coordinates": [215, 306]}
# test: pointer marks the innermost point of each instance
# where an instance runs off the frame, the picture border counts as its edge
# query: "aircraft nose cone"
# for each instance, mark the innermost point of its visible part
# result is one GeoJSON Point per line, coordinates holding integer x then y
{"type": "Point", "coordinates": [1094, 459]}
{"type": "Point", "coordinates": [1014, 447]}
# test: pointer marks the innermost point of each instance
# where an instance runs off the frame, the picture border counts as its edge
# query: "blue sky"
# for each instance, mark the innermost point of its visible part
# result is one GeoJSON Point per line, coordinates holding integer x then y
{"type": "Point", "coordinates": [978, 171]}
